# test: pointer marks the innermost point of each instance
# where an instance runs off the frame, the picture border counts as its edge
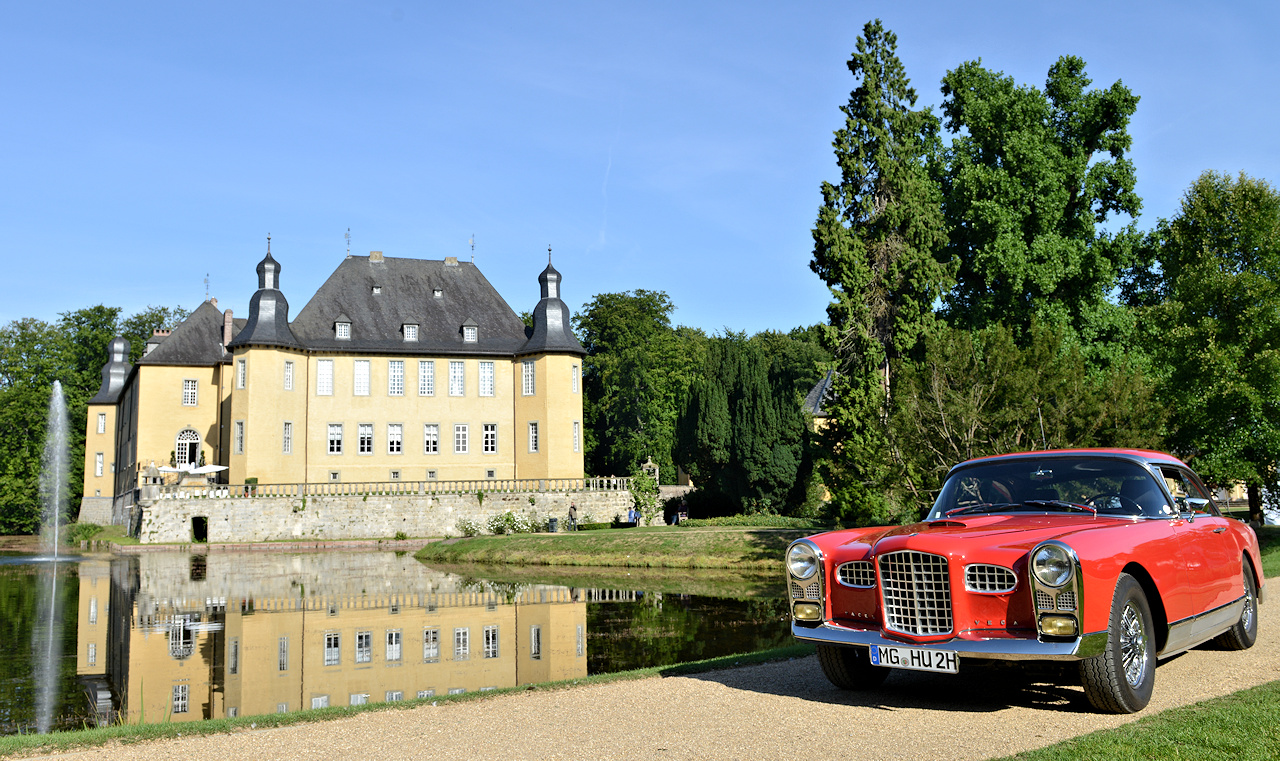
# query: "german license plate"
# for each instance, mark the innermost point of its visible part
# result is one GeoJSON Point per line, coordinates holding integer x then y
{"type": "Point", "coordinates": [916, 658]}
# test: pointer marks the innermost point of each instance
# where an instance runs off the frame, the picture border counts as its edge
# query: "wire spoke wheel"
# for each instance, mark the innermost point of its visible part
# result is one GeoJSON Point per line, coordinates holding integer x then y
{"type": "Point", "coordinates": [1133, 645]}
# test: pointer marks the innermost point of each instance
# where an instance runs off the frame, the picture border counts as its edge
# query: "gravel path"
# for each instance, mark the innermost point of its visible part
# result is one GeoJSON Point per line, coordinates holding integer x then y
{"type": "Point", "coordinates": [777, 710]}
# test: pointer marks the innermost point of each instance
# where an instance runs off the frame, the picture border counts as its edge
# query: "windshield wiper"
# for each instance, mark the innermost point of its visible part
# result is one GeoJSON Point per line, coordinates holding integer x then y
{"type": "Point", "coordinates": [1060, 504]}
{"type": "Point", "coordinates": [985, 507]}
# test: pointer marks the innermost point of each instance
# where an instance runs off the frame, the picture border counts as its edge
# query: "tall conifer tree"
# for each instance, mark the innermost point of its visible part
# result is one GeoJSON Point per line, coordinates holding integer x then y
{"type": "Point", "coordinates": [878, 245]}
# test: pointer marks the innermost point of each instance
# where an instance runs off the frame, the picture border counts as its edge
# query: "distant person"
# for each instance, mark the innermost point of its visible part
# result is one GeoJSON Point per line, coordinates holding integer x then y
{"type": "Point", "coordinates": [573, 517]}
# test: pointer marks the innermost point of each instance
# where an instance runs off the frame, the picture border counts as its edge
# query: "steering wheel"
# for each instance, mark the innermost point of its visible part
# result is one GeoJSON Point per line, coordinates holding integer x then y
{"type": "Point", "coordinates": [1112, 502]}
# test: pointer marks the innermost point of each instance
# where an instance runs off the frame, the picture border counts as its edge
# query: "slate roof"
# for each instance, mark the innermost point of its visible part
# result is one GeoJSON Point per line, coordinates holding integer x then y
{"type": "Point", "coordinates": [407, 296]}
{"type": "Point", "coordinates": [196, 341]}
{"type": "Point", "coordinates": [819, 394]}
{"type": "Point", "coordinates": [114, 372]}
{"type": "Point", "coordinates": [268, 323]}
{"type": "Point", "coordinates": [551, 330]}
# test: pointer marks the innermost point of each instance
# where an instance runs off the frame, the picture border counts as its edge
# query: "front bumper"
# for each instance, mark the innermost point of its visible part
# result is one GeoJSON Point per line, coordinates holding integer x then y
{"type": "Point", "coordinates": [1003, 649]}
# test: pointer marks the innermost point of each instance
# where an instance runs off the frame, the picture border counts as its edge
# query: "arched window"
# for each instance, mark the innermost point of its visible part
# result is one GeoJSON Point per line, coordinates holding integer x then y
{"type": "Point", "coordinates": [187, 451]}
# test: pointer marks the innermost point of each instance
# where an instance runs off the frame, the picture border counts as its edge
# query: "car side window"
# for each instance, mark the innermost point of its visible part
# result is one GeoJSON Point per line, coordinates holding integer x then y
{"type": "Point", "coordinates": [1184, 487]}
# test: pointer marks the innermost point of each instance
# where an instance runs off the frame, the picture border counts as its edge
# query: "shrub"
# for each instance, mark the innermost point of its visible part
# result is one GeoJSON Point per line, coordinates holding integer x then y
{"type": "Point", "coordinates": [469, 527]}
{"type": "Point", "coordinates": [759, 519]}
{"type": "Point", "coordinates": [594, 526]}
{"type": "Point", "coordinates": [78, 532]}
{"type": "Point", "coordinates": [515, 523]}
{"type": "Point", "coordinates": [401, 536]}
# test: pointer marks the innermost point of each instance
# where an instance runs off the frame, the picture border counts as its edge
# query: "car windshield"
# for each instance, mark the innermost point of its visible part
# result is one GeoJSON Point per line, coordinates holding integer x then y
{"type": "Point", "coordinates": [1109, 486]}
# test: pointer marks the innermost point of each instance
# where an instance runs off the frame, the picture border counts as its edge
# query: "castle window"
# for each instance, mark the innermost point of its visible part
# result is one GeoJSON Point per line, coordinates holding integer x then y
{"type": "Point", "coordinates": [457, 379]}
{"type": "Point", "coordinates": [486, 379]}
{"type": "Point", "coordinates": [431, 475]}
{"type": "Point", "coordinates": [97, 464]}
{"type": "Point", "coordinates": [426, 378]}
{"type": "Point", "coordinates": [393, 645]}
{"type": "Point", "coordinates": [288, 376]}
{"type": "Point", "coordinates": [461, 644]}
{"type": "Point", "coordinates": [469, 333]}
{"type": "Point", "coordinates": [577, 436]}
{"type": "Point", "coordinates": [460, 438]}
{"type": "Point", "coordinates": [364, 647]}
{"type": "Point", "coordinates": [335, 442]}
{"type": "Point", "coordinates": [573, 375]}
{"type": "Point", "coordinates": [395, 438]}
{"type": "Point", "coordinates": [189, 393]}
{"type": "Point", "coordinates": [102, 422]}
{"type": "Point", "coordinates": [283, 664]}
{"type": "Point", "coordinates": [395, 475]}
{"type": "Point", "coordinates": [332, 648]}
{"type": "Point", "coordinates": [359, 698]}
{"type": "Point", "coordinates": [361, 381]}
{"type": "Point", "coordinates": [395, 377]}
{"type": "Point", "coordinates": [180, 695]}
{"type": "Point", "coordinates": [342, 331]}
{"type": "Point", "coordinates": [490, 440]}
{"type": "Point", "coordinates": [286, 438]}
{"type": "Point", "coordinates": [410, 332]}
{"type": "Point", "coordinates": [491, 641]}
{"type": "Point", "coordinates": [491, 473]}
{"type": "Point", "coordinates": [377, 289]}
{"type": "Point", "coordinates": [187, 449]}
{"type": "Point", "coordinates": [93, 654]}
{"type": "Point", "coordinates": [437, 293]}
{"type": "Point", "coordinates": [320, 701]}
{"type": "Point", "coordinates": [430, 438]}
{"type": "Point", "coordinates": [395, 695]}
{"type": "Point", "coordinates": [241, 372]}
{"type": "Point", "coordinates": [430, 645]}
{"type": "Point", "coordinates": [324, 377]}
{"type": "Point", "coordinates": [535, 642]}
{"type": "Point", "coordinates": [528, 369]}
{"type": "Point", "coordinates": [335, 475]}
{"type": "Point", "coordinates": [364, 438]}
{"type": "Point", "coordinates": [533, 437]}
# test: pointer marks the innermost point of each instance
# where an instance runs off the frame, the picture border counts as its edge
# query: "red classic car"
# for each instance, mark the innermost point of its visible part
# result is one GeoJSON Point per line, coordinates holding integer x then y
{"type": "Point", "coordinates": [1112, 558]}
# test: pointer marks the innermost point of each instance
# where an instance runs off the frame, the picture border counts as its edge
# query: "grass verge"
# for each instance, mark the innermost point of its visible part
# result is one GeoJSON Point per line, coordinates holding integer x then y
{"type": "Point", "coordinates": [1239, 727]}
{"type": "Point", "coordinates": [648, 547]}
{"type": "Point", "coordinates": [1269, 543]}
{"type": "Point", "coordinates": [715, 582]}
{"type": "Point", "coordinates": [55, 742]}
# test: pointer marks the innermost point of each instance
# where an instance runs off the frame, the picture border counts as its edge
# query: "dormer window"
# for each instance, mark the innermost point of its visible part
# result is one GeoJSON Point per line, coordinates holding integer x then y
{"type": "Point", "coordinates": [410, 332]}
{"type": "Point", "coordinates": [377, 289]}
{"type": "Point", "coordinates": [469, 333]}
{"type": "Point", "coordinates": [439, 294]}
{"type": "Point", "coordinates": [342, 331]}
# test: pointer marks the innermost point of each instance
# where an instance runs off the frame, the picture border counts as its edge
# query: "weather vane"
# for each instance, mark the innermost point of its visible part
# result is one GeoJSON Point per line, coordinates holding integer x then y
{"type": "Point", "coordinates": [548, 253]}
{"type": "Point", "coordinates": [268, 244]}
{"type": "Point", "coordinates": [206, 286]}
{"type": "Point", "coordinates": [348, 236]}
{"type": "Point", "coordinates": [473, 248]}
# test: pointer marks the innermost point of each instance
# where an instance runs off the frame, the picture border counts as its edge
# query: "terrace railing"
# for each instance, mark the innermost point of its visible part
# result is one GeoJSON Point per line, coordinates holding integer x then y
{"type": "Point", "coordinates": [392, 488]}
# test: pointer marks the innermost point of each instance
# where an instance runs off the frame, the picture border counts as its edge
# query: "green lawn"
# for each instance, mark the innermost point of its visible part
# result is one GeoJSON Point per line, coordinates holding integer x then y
{"type": "Point", "coordinates": [1269, 541]}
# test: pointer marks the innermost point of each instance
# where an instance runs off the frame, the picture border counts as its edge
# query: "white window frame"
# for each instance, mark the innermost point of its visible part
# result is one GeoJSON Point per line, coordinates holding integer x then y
{"type": "Point", "coordinates": [457, 378]}
{"type": "Point", "coordinates": [431, 645]}
{"type": "Point", "coordinates": [533, 436]}
{"type": "Point", "coordinates": [395, 645]}
{"type": "Point", "coordinates": [320, 701]}
{"type": "Point", "coordinates": [470, 334]}
{"type": "Point", "coordinates": [528, 373]}
{"type": "Point", "coordinates": [333, 648]}
{"type": "Point", "coordinates": [233, 659]}
{"type": "Point", "coordinates": [359, 698]}
{"type": "Point", "coordinates": [489, 438]}
{"type": "Point", "coordinates": [288, 375]}
{"type": "Point", "coordinates": [181, 698]}
{"type": "Point", "coordinates": [342, 331]}
{"type": "Point", "coordinates": [395, 696]}
{"type": "Point", "coordinates": [282, 654]}
{"type": "Point", "coordinates": [92, 655]}
{"type": "Point", "coordinates": [364, 438]}
{"type": "Point", "coordinates": [238, 445]}
{"type": "Point", "coordinates": [364, 647]}
{"type": "Point", "coordinates": [573, 385]}
{"type": "Point", "coordinates": [98, 461]}
{"type": "Point", "coordinates": [487, 373]}
{"type": "Point", "coordinates": [360, 373]}
{"type": "Point", "coordinates": [242, 372]}
{"type": "Point", "coordinates": [535, 642]}
{"type": "Point", "coordinates": [461, 438]}
{"type": "Point", "coordinates": [426, 377]}
{"type": "Point", "coordinates": [577, 436]}
{"type": "Point", "coordinates": [191, 392]}
{"type": "Point", "coordinates": [395, 438]}
{"type": "Point", "coordinates": [410, 331]}
{"type": "Point", "coordinates": [395, 377]}
{"type": "Point", "coordinates": [286, 438]}
{"type": "Point", "coordinates": [102, 422]}
{"type": "Point", "coordinates": [491, 649]}
{"type": "Point", "coordinates": [431, 438]}
{"type": "Point", "coordinates": [324, 377]}
{"type": "Point", "coordinates": [462, 644]}
{"type": "Point", "coordinates": [334, 440]}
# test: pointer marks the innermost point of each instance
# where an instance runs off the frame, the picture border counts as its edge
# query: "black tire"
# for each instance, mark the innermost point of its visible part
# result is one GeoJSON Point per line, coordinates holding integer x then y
{"type": "Point", "coordinates": [1245, 632]}
{"type": "Point", "coordinates": [1120, 680]}
{"type": "Point", "coordinates": [849, 668]}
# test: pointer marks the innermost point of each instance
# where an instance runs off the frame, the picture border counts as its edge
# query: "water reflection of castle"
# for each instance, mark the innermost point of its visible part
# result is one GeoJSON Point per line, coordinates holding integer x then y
{"type": "Point", "coordinates": [179, 637]}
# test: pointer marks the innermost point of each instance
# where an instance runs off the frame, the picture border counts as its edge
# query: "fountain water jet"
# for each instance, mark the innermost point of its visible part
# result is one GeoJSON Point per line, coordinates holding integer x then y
{"type": "Point", "coordinates": [53, 495]}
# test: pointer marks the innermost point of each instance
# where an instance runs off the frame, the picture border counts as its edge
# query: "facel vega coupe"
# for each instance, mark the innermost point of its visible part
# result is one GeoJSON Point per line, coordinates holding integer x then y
{"type": "Point", "coordinates": [1112, 558]}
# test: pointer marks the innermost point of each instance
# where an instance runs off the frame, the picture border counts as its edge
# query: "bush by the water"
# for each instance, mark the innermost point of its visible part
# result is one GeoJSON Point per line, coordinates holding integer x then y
{"type": "Point", "coordinates": [593, 526]}
{"type": "Point", "coordinates": [762, 520]}
{"type": "Point", "coordinates": [516, 523]}
{"type": "Point", "coordinates": [78, 532]}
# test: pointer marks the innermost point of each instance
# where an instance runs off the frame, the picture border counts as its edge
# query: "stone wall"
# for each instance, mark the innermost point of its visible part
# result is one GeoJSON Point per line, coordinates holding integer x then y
{"type": "Point", "coordinates": [353, 516]}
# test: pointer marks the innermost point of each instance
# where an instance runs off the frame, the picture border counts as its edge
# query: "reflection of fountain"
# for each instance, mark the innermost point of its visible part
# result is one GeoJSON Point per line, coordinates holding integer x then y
{"type": "Point", "coordinates": [53, 494]}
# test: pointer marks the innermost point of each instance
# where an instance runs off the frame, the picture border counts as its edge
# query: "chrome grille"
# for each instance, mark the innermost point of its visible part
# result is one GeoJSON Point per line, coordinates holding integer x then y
{"type": "Point", "coordinates": [1067, 600]}
{"type": "Point", "coordinates": [990, 579]}
{"type": "Point", "coordinates": [811, 592]}
{"type": "Point", "coordinates": [859, 573]}
{"type": "Point", "coordinates": [917, 592]}
{"type": "Point", "coordinates": [1044, 601]}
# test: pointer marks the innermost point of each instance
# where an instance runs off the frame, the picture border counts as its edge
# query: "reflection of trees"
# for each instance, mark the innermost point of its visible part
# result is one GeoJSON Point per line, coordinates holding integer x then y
{"type": "Point", "coordinates": [658, 630]}
{"type": "Point", "coordinates": [20, 591]}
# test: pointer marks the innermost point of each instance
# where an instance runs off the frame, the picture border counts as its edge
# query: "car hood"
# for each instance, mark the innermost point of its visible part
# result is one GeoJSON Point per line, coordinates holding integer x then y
{"type": "Point", "coordinates": [985, 538]}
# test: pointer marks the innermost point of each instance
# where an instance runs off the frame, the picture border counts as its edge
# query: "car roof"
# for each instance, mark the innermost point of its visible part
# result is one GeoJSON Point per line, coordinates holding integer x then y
{"type": "Point", "coordinates": [1141, 456]}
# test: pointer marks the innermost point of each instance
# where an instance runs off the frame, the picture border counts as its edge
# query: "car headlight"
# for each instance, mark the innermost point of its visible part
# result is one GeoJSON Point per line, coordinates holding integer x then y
{"type": "Point", "coordinates": [1052, 565]}
{"type": "Point", "coordinates": [802, 561]}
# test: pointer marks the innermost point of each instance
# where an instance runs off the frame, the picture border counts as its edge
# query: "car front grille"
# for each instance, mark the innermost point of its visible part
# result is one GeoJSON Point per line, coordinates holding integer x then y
{"type": "Point", "coordinates": [859, 573]}
{"type": "Point", "coordinates": [989, 579]}
{"type": "Point", "coordinates": [916, 589]}
{"type": "Point", "coordinates": [812, 592]}
{"type": "Point", "coordinates": [1044, 601]}
{"type": "Point", "coordinates": [1067, 600]}
{"type": "Point", "coordinates": [1064, 600]}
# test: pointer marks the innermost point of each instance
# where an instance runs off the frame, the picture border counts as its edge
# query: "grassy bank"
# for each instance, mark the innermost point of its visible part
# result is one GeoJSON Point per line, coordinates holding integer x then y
{"type": "Point", "coordinates": [714, 582]}
{"type": "Point", "coordinates": [648, 547]}
{"type": "Point", "coordinates": [1269, 542]}
{"type": "Point", "coordinates": [56, 742]}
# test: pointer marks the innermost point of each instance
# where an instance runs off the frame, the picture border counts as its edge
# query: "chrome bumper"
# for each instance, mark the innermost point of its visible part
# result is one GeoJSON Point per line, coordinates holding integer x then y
{"type": "Point", "coordinates": [996, 649]}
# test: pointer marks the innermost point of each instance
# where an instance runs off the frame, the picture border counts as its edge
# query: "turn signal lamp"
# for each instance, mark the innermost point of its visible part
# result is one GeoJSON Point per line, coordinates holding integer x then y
{"type": "Point", "coordinates": [1058, 626]}
{"type": "Point", "coordinates": [807, 611]}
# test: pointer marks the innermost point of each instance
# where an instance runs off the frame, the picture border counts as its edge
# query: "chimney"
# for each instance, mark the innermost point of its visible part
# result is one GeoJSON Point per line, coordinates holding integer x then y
{"type": "Point", "coordinates": [214, 300]}
{"type": "Point", "coordinates": [226, 327]}
{"type": "Point", "coordinates": [451, 261]}
{"type": "Point", "coordinates": [375, 257]}
{"type": "Point", "coordinates": [161, 332]}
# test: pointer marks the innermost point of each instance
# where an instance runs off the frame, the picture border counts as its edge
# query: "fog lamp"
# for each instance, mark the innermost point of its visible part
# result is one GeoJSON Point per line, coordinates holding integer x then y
{"type": "Point", "coordinates": [807, 611]}
{"type": "Point", "coordinates": [1058, 626]}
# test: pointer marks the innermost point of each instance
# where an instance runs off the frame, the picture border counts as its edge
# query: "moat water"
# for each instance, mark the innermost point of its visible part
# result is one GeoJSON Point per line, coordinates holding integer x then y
{"type": "Point", "coordinates": [176, 636]}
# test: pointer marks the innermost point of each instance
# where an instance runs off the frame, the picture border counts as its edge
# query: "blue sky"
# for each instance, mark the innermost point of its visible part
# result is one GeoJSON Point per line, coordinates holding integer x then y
{"type": "Point", "coordinates": [667, 146]}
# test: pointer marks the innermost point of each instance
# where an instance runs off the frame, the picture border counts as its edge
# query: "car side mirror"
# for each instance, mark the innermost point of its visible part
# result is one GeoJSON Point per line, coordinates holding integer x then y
{"type": "Point", "coordinates": [1198, 504]}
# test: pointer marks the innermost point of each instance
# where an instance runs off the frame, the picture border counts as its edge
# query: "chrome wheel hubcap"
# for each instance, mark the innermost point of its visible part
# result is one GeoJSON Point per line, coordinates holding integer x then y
{"type": "Point", "coordinates": [1133, 645]}
{"type": "Point", "coordinates": [1246, 618]}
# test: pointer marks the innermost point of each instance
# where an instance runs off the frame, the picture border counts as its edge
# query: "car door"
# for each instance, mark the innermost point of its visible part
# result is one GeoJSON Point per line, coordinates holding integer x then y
{"type": "Point", "coordinates": [1212, 563]}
